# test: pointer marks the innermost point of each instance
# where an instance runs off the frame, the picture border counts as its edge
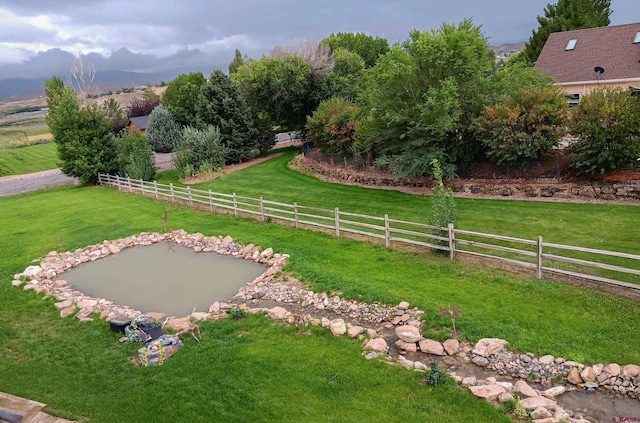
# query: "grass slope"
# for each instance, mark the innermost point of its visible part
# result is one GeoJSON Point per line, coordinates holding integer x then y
{"type": "Point", "coordinates": [17, 161]}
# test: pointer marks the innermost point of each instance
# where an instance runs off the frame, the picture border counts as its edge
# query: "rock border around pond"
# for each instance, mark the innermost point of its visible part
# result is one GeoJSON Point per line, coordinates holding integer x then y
{"type": "Point", "coordinates": [370, 322]}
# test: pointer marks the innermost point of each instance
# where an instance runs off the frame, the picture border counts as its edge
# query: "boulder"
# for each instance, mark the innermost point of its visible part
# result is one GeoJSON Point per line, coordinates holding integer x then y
{"type": "Point", "coordinates": [504, 397]}
{"type": "Point", "coordinates": [354, 331]}
{"type": "Point", "coordinates": [489, 346]}
{"type": "Point", "coordinates": [32, 271]}
{"type": "Point", "coordinates": [338, 327]}
{"type": "Point", "coordinates": [541, 413]}
{"type": "Point", "coordinates": [378, 345]}
{"type": "Point", "coordinates": [178, 324]}
{"type": "Point", "coordinates": [113, 249]}
{"type": "Point", "coordinates": [406, 346]}
{"type": "Point", "coordinates": [277, 313]}
{"type": "Point", "coordinates": [407, 364]}
{"type": "Point", "coordinates": [546, 359]}
{"type": "Point", "coordinates": [523, 389]}
{"type": "Point", "coordinates": [574, 377]}
{"type": "Point", "coordinates": [612, 369]}
{"type": "Point", "coordinates": [532, 403]}
{"type": "Point", "coordinates": [429, 346]}
{"type": "Point", "coordinates": [67, 311]}
{"type": "Point", "coordinates": [451, 346]}
{"type": "Point", "coordinates": [480, 361]}
{"type": "Point", "coordinates": [488, 392]}
{"type": "Point", "coordinates": [631, 370]}
{"type": "Point", "coordinates": [200, 315]}
{"type": "Point", "coordinates": [554, 392]}
{"type": "Point", "coordinates": [403, 305]}
{"type": "Point", "coordinates": [408, 333]}
{"type": "Point", "coordinates": [588, 374]}
{"type": "Point", "coordinates": [469, 381]}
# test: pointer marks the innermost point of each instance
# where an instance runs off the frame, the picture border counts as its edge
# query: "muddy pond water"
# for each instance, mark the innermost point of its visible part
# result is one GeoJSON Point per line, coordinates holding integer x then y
{"type": "Point", "coordinates": [164, 277]}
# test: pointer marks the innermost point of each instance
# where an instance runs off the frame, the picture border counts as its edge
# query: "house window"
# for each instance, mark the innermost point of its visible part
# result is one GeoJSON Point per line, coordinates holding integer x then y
{"type": "Point", "coordinates": [636, 39]}
{"type": "Point", "coordinates": [573, 99]}
{"type": "Point", "coordinates": [571, 44]}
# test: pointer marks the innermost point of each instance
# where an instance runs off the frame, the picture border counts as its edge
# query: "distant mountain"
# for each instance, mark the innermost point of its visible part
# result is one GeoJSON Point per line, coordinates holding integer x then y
{"type": "Point", "coordinates": [14, 89]}
{"type": "Point", "coordinates": [508, 49]}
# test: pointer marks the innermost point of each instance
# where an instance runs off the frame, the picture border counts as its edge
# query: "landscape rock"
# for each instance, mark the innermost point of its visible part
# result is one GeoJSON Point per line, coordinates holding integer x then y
{"type": "Point", "coordinates": [338, 327]}
{"type": "Point", "coordinates": [469, 381]}
{"type": "Point", "coordinates": [32, 271]}
{"type": "Point", "coordinates": [488, 392]}
{"type": "Point", "coordinates": [277, 313]}
{"type": "Point", "coordinates": [480, 361]}
{"type": "Point", "coordinates": [429, 346]}
{"type": "Point", "coordinates": [406, 346]}
{"type": "Point", "coordinates": [541, 413]}
{"type": "Point", "coordinates": [378, 345]}
{"type": "Point", "coordinates": [489, 346]}
{"type": "Point", "coordinates": [451, 346]}
{"type": "Point", "coordinates": [574, 377]}
{"type": "Point", "coordinates": [67, 311]}
{"type": "Point", "coordinates": [631, 370]}
{"type": "Point", "coordinates": [588, 374]}
{"type": "Point", "coordinates": [403, 305]}
{"type": "Point", "coordinates": [354, 331]}
{"type": "Point", "coordinates": [612, 369]}
{"type": "Point", "coordinates": [546, 359]}
{"type": "Point", "coordinates": [408, 333]}
{"type": "Point", "coordinates": [523, 389]}
{"type": "Point", "coordinates": [551, 393]}
{"type": "Point", "coordinates": [504, 397]}
{"type": "Point", "coordinates": [532, 403]}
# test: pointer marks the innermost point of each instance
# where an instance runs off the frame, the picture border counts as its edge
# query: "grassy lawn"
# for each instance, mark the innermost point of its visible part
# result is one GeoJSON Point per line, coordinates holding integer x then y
{"type": "Point", "coordinates": [34, 158]}
{"type": "Point", "coordinates": [256, 371]}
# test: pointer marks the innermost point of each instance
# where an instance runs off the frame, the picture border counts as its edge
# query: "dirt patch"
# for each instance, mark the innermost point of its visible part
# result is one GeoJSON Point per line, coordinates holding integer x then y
{"type": "Point", "coordinates": [229, 169]}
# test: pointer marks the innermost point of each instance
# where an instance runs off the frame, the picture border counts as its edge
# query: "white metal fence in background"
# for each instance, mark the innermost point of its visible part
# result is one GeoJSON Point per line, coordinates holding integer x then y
{"type": "Point", "coordinates": [605, 266]}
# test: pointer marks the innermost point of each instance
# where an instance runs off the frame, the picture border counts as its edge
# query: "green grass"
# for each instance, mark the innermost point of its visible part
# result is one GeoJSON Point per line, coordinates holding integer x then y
{"type": "Point", "coordinates": [256, 371]}
{"type": "Point", "coordinates": [17, 161]}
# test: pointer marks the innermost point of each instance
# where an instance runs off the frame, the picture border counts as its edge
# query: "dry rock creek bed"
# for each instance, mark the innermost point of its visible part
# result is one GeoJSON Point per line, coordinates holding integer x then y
{"type": "Point", "coordinates": [392, 333]}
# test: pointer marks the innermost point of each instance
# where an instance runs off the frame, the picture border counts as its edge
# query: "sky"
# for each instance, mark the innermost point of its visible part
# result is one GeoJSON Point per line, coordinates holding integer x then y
{"type": "Point", "coordinates": [39, 38]}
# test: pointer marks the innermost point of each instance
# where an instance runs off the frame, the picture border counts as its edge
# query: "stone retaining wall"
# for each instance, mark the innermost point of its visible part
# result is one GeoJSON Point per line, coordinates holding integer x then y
{"type": "Point", "coordinates": [622, 191]}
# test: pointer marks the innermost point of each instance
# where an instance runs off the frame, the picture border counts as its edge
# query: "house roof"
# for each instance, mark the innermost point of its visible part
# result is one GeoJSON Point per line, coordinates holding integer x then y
{"type": "Point", "coordinates": [610, 47]}
{"type": "Point", "coordinates": [140, 121]}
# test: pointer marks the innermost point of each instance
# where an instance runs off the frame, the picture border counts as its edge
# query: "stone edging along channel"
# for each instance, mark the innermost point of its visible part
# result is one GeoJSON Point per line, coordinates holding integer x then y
{"type": "Point", "coordinates": [375, 318]}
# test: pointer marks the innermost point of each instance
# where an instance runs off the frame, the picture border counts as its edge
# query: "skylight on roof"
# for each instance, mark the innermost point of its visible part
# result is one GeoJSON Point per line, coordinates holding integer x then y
{"type": "Point", "coordinates": [636, 39]}
{"type": "Point", "coordinates": [571, 44]}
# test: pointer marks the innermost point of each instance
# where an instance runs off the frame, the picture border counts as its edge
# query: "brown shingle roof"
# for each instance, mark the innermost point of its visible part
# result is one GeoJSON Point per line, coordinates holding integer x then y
{"type": "Point", "coordinates": [610, 47]}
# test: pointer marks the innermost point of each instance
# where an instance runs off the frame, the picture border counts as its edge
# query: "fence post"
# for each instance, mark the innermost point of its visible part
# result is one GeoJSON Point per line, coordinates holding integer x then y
{"type": "Point", "coordinates": [142, 187]}
{"type": "Point", "coordinates": [155, 188]}
{"type": "Point", "coordinates": [173, 198]}
{"type": "Point", "coordinates": [261, 209]}
{"type": "Point", "coordinates": [295, 213]}
{"type": "Point", "coordinates": [189, 195]}
{"type": "Point", "coordinates": [210, 201]}
{"type": "Point", "coordinates": [539, 263]}
{"type": "Point", "coordinates": [387, 235]}
{"type": "Point", "coordinates": [452, 242]}
{"type": "Point", "coordinates": [129, 183]}
{"type": "Point", "coordinates": [337, 219]}
{"type": "Point", "coordinates": [235, 205]}
{"type": "Point", "coordinates": [119, 183]}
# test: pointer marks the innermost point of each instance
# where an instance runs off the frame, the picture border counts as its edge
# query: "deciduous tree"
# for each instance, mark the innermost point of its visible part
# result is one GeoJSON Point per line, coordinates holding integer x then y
{"type": "Point", "coordinates": [135, 158]}
{"type": "Point", "coordinates": [607, 124]}
{"type": "Point", "coordinates": [366, 46]}
{"type": "Point", "coordinates": [181, 97]}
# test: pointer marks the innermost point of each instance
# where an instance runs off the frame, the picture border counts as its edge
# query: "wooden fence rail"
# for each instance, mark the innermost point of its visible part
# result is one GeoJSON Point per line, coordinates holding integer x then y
{"type": "Point", "coordinates": [532, 254]}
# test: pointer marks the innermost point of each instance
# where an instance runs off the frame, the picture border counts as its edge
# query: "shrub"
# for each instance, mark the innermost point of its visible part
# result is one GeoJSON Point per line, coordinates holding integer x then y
{"type": "Point", "coordinates": [135, 158]}
{"type": "Point", "coordinates": [443, 205]}
{"type": "Point", "coordinates": [162, 130]}
{"type": "Point", "coordinates": [525, 124]}
{"type": "Point", "coordinates": [199, 151]}
{"type": "Point", "coordinates": [332, 127]}
{"type": "Point", "coordinates": [607, 124]}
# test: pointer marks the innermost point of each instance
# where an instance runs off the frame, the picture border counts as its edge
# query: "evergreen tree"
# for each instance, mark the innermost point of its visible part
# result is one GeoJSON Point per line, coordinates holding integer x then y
{"type": "Point", "coordinates": [237, 61]}
{"type": "Point", "coordinates": [221, 104]}
{"type": "Point", "coordinates": [162, 130]}
{"type": "Point", "coordinates": [566, 15]}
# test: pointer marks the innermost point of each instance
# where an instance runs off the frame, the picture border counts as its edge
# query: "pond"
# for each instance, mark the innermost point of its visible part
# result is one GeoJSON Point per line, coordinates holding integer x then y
{"type": "Point", "coordinates": [164, 277]}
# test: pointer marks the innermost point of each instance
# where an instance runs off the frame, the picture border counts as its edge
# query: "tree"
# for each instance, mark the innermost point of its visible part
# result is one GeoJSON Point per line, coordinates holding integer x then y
{"type": "Point", "coordinates": [115, 114]}
{"type": "Point", "coordinates": [83, 136]}
{"type": "Point", "coordinates": [199, 151]}
{"type": "Point", "coordinates": [265, 137]}
{"type": "Point", "coordinates": [81, 76]}
{"type": "Point", "coordinates": [565, 15]}
{"type": "Point", "coordinates": [135, 158]}
{"type": "Point", "coordinates": [332, 126]}
{"type": "Point", "coordinates": [181, 97]}
{"type": "Point", "coordinates": [162, 130]}
{"type": "Point", "coordinates": [142, 106]}
{"type": "Point", "coordinates": [607, 124]}
{"type": "Point", "coordinates": [220, 104]}
{"type": "Point", "coordinates": [279, 89]}
{"type": "Point", "coordinates": [527, 121]}
{"type": "Point", "coordinates": [422, 98]}
{"type": "Point", "coordinates": [318, 56]}
{"type": "Point", "coordinates": [237, 61]}
{"type": "Point", "coordinates": [346, 80]}
{"type": "Point", "coordinates": [366, 46]}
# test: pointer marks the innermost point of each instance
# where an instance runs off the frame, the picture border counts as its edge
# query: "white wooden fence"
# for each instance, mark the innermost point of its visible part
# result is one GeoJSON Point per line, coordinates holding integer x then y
{"type": "Point", "coordinates": [536, 254]}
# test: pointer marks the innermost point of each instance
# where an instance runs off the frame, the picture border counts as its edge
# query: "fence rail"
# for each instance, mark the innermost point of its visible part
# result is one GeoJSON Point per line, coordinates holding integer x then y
{"type": "Point", "coordinates": [609, 267]}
